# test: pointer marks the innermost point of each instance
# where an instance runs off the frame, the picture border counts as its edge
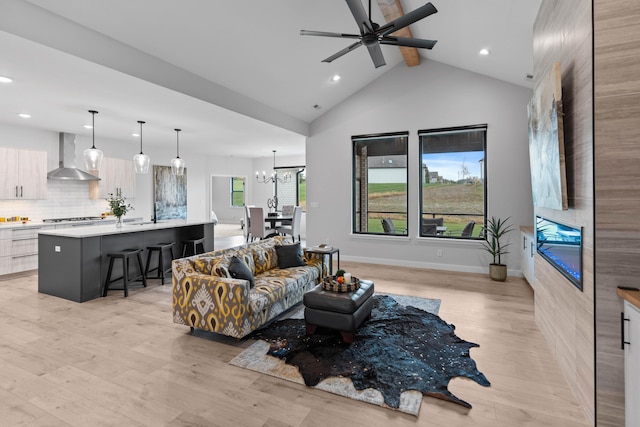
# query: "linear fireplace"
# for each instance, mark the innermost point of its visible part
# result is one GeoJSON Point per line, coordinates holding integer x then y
{"type": "Point", "coordinates": [561, 246]}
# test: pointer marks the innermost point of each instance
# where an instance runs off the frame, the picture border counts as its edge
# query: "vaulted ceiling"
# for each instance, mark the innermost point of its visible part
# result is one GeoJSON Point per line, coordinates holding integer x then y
{"type": "Point", "coordinates": [235, 75]}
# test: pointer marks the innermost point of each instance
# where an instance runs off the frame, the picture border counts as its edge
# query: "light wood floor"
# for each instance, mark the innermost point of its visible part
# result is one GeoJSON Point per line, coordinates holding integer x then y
{"type": "Point", "coordinates": [123, 362]}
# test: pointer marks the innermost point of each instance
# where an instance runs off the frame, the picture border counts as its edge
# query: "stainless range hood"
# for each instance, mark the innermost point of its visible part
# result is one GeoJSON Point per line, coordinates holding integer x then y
{"type": "Point", "coordinates": [67, 169]}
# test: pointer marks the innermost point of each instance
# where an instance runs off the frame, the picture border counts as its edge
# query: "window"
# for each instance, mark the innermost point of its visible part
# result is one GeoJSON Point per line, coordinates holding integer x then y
{"type": "Point", "coordinates": [291, 186]}
{"type": "Point", "coordinates": [380, 184]}
{"type": "Point", "coordinates": [453, 182]}
{"type": "Point", "coordinates": [237, 192]}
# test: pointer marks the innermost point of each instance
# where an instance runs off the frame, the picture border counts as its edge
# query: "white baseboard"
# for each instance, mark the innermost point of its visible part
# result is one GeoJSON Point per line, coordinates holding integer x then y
{"type": "Point", "coordinates": [427, 265]}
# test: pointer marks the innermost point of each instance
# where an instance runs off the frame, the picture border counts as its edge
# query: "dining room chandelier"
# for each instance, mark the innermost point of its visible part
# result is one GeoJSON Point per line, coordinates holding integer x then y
{"type": "Point", "coordinates": [141, 161]}
{"type": "Point", "coordinates": [282, 178]}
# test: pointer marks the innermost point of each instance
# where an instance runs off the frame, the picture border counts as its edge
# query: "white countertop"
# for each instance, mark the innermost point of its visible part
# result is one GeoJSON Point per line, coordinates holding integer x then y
{"type": "Point", "coordinates": [111, 229]}
{"type": "Point", "coordinates": [61, 224]}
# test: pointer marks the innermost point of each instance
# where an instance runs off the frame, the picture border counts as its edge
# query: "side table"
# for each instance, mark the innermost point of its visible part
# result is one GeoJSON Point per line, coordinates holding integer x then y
{"type": "Point", "coordinates": [327, 250]}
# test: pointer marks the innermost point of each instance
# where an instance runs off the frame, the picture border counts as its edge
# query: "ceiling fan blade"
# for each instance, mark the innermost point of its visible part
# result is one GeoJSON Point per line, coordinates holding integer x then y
{"type": "Point", "coordinates": [343, 52]}
{"type": "Point", "coordinates": [376, 55]}
{"type": "Point", "coordinates": [327, 34]}
{"type": "Point", "coordinates": [408, 42]}
{"type": "Point", "coordinates": [408, 19]}
{"type": "Point", "coordinates": [360, 15]}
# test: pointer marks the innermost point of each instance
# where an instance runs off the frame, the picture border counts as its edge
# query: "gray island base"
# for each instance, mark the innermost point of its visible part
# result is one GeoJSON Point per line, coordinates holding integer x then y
{"type": "Point", "coordinates": [73, 263]}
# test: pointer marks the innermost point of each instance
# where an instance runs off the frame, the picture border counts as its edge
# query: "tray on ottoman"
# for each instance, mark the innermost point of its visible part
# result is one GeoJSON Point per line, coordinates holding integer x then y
{"type": "Point", "coordinates": [344, 311]}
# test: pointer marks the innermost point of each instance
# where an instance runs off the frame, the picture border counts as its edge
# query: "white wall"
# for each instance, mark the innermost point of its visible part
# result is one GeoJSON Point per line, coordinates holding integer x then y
{"type": "Point", "coordinates": [432, 95]}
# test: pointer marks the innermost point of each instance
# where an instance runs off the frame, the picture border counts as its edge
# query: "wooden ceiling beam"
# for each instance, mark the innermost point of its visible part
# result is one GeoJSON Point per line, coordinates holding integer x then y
{"type": "Point", "coordinates": [392, 9]}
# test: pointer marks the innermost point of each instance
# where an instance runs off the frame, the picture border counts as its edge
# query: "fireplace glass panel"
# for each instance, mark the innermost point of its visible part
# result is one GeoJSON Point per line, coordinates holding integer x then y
{"type": "Point", "coordinates": [561, 246]}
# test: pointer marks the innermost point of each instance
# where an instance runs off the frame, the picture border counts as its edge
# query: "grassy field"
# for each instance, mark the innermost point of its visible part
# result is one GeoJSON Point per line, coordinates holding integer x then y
{"type": "Point", "coordinates": [452, 199]}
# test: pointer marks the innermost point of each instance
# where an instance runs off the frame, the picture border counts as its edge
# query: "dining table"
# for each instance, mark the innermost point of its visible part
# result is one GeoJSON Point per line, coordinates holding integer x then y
{"type": "Point", "coordinates": [273, 220]}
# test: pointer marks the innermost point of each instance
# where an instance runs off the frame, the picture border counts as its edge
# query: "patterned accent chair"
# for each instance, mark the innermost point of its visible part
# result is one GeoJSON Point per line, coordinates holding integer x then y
{"type": "Point", "coordinates": [205, 296]}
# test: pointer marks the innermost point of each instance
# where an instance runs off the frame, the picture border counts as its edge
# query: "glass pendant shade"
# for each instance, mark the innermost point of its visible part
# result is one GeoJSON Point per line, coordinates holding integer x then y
{"type": "Point", "coordinates": [93, 156]}
{"type": "Point", "coordinates": [141, 161]}
{"type": "Point", "coordinates": [177, 164]}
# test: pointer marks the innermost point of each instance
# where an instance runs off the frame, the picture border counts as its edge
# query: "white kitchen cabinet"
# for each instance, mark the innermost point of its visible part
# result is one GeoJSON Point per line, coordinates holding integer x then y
{"type": "Point", "coordinates": [631, 364]}
{"type": "Point", "coordinates": [19, 248]}
{"type": "Point", "coordinates": [117, 176]}
{"type": "Point", "coordinates": [23, 174]}
{"type": "Point", "coordinates": [527, 254]}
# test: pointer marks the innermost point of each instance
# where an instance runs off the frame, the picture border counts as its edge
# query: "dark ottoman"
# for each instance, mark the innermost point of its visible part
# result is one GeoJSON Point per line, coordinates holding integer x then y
{"type": "Point", "coordinates": [344, 311]}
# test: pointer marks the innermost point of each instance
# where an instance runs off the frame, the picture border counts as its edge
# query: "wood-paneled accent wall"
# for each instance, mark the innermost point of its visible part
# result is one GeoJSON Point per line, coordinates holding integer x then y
{"type": "Point", "coordinates": [563, 33]}
{"type": "Point", "coordinates": [617, 189]}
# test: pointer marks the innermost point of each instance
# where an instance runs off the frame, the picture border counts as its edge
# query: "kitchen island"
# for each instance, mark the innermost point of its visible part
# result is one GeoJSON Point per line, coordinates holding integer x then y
{"type": "Point", "coordinates": [73, 262]}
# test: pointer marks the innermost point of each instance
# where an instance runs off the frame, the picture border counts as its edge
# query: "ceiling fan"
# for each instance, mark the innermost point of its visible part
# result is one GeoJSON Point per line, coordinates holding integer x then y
{"type": "Point", "coordinates": [373, 35]}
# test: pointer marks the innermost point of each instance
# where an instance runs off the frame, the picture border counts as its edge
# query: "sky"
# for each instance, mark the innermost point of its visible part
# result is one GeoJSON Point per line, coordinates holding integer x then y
{"type": "Point", "coordinates": [449, 165]}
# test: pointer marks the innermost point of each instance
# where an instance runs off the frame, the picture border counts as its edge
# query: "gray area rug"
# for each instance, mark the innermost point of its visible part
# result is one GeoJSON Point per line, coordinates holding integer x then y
{"type": "Point", "coordinates": [256, 359]}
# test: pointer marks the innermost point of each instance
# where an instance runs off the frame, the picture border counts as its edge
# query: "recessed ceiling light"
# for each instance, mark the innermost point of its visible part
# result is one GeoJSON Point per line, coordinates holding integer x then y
{"type": "Point", "coordinates": [484, 52]}
{"type": "Point", "coordinates": [88, 127]}
{"type": "Point", "coordinates": [4, 79]}
{"type": "Point", "coordinates": [135, 134]}
{"type": "Point", "coordinates": [24, 115]}
{"type": "Point", "coordinates": [335, 78]}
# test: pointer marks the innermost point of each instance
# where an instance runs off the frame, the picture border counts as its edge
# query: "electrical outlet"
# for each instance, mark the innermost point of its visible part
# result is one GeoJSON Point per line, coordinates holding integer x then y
{"type": "Point", "coordinates": [439, 252]}
{"type": "Point", "coordinates": [56, 248]}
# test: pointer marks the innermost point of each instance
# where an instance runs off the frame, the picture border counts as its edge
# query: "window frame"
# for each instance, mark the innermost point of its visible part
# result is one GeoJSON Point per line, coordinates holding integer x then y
{"type": "Point", "coordinates": [232, 192]}
{"type": "Point", "coordinates": [296, 170]}
{"type": "Point", "coordinates": [355, 213]}
{"type": "Point", "coordinates": [483, 177]}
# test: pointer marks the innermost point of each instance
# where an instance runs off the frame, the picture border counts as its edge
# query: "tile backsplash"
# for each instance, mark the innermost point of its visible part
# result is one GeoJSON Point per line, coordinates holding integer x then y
{"type": "Point", "coordinates": [64, 199]}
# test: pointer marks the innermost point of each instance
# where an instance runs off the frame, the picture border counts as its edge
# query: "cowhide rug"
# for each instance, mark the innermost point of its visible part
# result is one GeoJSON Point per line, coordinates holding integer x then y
{"type": "Point", "coordinates": [401, 350]}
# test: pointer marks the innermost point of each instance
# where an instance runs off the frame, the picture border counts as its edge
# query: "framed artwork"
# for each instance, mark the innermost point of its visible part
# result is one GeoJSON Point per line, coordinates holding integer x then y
{"type": "Point", "coordinates": [546, 143]}
{"type": "Point", "coordinates": [170, 193]}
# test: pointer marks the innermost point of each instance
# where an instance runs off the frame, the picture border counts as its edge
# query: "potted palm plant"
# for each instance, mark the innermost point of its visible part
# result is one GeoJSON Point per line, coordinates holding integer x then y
{"type": "Point", "coordinates": [494, 234]}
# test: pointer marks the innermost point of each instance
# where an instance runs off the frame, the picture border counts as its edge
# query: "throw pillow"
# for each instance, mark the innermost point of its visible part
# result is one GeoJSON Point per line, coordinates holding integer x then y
{"type": "Point", "coordinates": [290, 256]}
{"type": "Point", "coordinates": [239, 270]}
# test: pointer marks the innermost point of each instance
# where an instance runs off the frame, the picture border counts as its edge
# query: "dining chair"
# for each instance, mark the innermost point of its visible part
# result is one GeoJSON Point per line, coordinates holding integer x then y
{"type": "Point", "coordinates": [257, 225]}
{"type": "Point", "coordinates": [294, 228]}
{"type": "Point", "coordinates": [287, 210]}
{"type": "Point", "coordinates": [247, 223]}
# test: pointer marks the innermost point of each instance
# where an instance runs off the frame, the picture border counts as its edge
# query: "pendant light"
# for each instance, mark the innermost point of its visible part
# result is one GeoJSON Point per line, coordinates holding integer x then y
{"type": "Point", "coordinates": [177, 164]}
{"type": "Point", "coordinates": [141, 161]}
{"type": "Point", "coordinates": [93, 156]}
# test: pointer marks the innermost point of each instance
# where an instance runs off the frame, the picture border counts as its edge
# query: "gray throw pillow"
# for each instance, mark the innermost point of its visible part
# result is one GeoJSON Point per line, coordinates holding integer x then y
{"type": "Point", "coordinates": [239, 270]}
{"type": "Point", "coordinates": [290, 256]}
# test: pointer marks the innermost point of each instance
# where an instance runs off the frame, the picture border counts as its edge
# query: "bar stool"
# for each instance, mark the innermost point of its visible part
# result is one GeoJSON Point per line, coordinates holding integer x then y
{"type": "Point", "coordinates": [161, 247]}
{"type": "Point", "coordinates": [125, 256]}
{"type": "Point", "coordinates": [193, 245]}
